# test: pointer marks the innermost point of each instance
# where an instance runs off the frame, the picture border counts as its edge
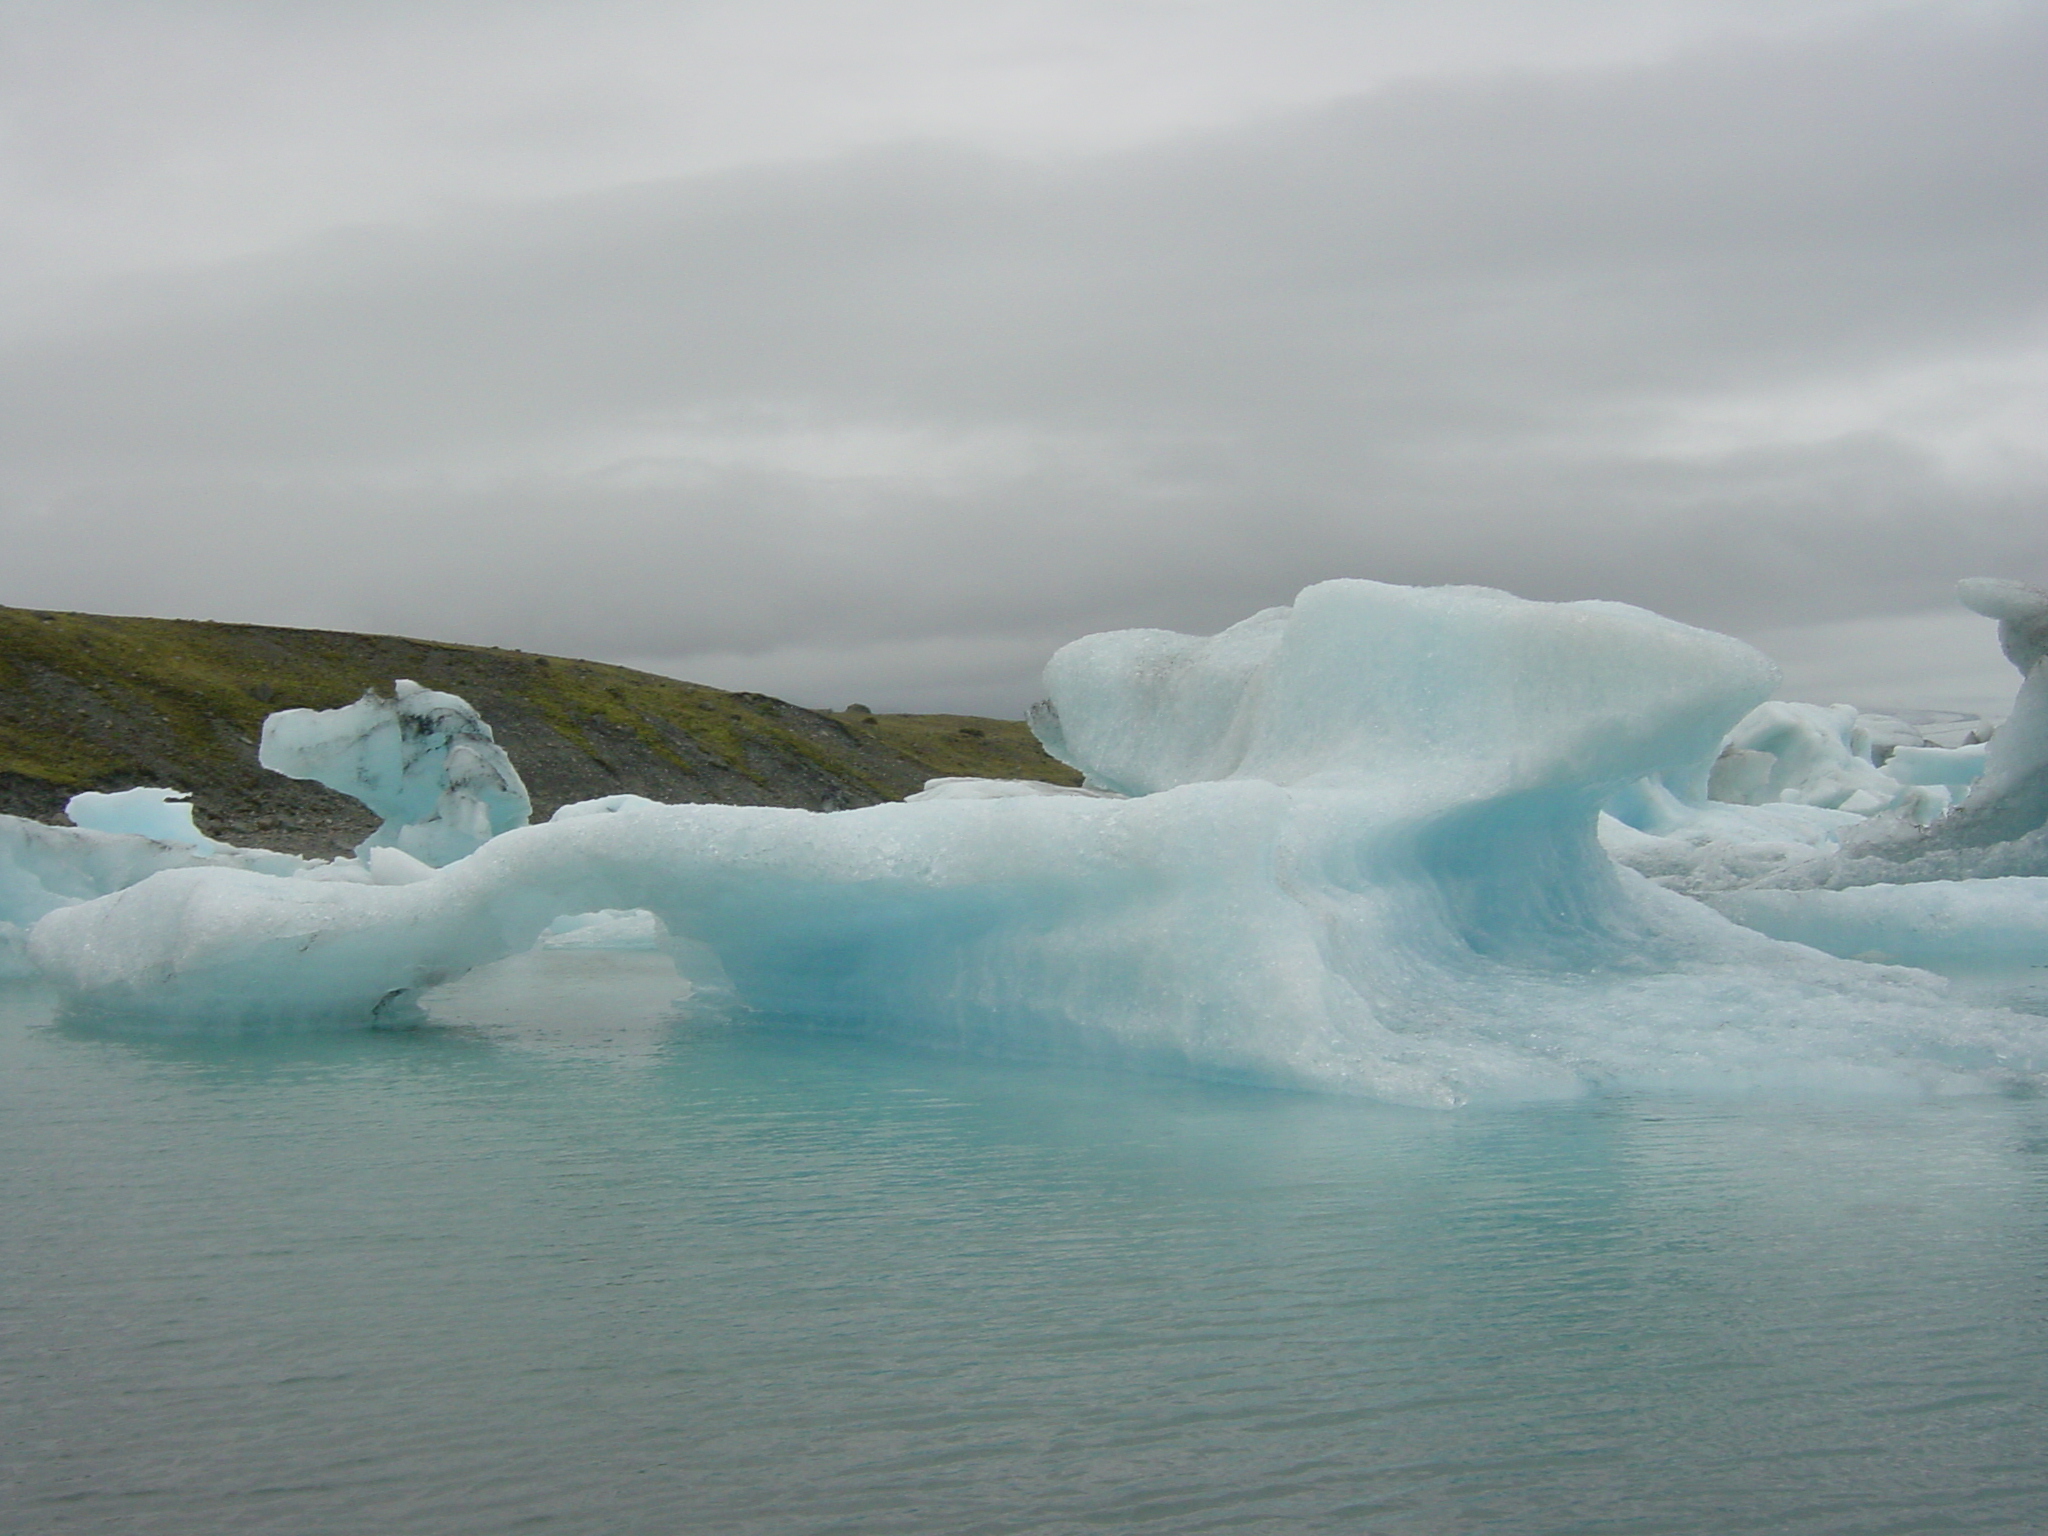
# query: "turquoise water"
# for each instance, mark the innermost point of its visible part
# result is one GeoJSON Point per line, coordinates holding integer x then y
{"type": "Point", "coordinates": [571, 1263]}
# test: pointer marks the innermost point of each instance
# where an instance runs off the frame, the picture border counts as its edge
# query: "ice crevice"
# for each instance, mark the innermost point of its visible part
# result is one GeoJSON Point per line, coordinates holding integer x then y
{"type": "Point", "coordinates": [1355, 843]}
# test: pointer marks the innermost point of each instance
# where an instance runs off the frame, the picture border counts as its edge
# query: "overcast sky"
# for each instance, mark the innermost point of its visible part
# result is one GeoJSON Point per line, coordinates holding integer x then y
{"type": "Point", "coordinates": [868, 351]}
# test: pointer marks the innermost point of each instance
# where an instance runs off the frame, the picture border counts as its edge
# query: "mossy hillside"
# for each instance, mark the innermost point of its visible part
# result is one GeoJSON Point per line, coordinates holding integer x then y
{"type": "Point", "coordinates": [964, 746]}
{"type": "Point", "coordinates": [95, 702]}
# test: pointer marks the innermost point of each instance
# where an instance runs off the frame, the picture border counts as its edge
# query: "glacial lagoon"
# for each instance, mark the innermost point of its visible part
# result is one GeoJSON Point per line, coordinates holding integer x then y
{"type": "Point", "coordinates": [569, 1257]}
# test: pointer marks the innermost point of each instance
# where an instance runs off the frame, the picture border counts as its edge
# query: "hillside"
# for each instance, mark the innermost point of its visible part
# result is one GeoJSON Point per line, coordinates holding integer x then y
{"type": "Point", "coordinates": [93, 702]}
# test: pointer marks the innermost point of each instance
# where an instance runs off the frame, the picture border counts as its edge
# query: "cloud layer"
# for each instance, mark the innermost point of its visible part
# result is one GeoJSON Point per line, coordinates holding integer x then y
{"type": "Point", "coordinates": [1752, 333]}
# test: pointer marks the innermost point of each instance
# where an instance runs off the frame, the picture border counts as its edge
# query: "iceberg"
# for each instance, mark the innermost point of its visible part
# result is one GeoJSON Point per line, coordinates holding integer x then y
{"type": "Point", "coordinates": [162, 815]}
{"type": "Point", "coordinates": [1791, 784]}
{"type": "Point", "coordinates": [424, 761]}
{"type": "Point", "coordinates": [1349, 844]}
{"type": "Point", "coordinates": [1804, 754]}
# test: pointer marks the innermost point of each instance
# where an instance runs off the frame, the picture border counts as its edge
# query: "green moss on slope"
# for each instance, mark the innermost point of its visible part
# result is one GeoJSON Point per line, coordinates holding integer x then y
{"type": "Point", "coordinates": [964, 746]}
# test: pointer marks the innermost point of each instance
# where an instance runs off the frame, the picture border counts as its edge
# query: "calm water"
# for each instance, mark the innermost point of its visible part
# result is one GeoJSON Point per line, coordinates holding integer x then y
{"type": "Point", "coordinates": [569, 1264]}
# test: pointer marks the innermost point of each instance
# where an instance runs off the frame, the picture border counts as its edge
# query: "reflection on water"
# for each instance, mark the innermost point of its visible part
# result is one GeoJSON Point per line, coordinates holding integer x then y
{"type": "Point", "coordinates": [571, 1256]}
{"type": "Point", "coordinates": [622, 1006]}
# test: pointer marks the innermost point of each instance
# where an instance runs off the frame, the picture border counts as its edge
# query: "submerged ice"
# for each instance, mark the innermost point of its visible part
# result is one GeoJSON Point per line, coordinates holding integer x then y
{"type": "Point", "coordinates": [1350, 843]}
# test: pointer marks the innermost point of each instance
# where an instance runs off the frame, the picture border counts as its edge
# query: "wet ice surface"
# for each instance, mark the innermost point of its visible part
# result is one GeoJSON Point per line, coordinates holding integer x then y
{"type": "Point", "coordinates": [567, 1257]}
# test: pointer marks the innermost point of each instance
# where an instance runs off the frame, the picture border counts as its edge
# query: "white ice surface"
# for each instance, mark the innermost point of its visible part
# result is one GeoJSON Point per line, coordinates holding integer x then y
{"type": "Point", "coordinates": [1951, 767]}
{"type": "Point", "coordinates": [607, 805]}
{"type": "Point", "coordinates": [43, 868]}
{"type": "Point", "coordinates": [1359, 852]}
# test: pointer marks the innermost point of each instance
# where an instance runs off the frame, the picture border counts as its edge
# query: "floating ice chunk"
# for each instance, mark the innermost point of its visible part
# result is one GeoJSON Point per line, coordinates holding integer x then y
{"type": "Point", "coordinates": [2010, 797]}
{"type": "Point", "coordinates": [1806, 754]}
{"type": "Point", "coordinates": [424, 761]}
{"type": "Point", "coordinates": [1949, 767]}
{"type": "Point", "coordinates": [162, 814]}
{"type": "Point", "coordinates": [122, 837]}
{"type": "Point", "coordinates": [1822, 756]}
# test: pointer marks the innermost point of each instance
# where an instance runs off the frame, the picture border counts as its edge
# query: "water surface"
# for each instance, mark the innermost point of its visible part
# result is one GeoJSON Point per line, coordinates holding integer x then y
{"type": "Point", "coordinates": [572, 1262]}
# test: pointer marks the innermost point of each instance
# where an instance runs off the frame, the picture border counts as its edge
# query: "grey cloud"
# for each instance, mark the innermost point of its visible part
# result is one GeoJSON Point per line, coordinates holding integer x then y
{"type": "Point", "coordinates": [1410, 336]}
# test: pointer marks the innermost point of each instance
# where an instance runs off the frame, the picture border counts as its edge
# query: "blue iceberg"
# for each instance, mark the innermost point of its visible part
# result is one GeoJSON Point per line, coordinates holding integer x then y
{"type": "Point", "coordinates": [1350, 844]}
{"type": "Point", "coordinates": [422, 760]}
